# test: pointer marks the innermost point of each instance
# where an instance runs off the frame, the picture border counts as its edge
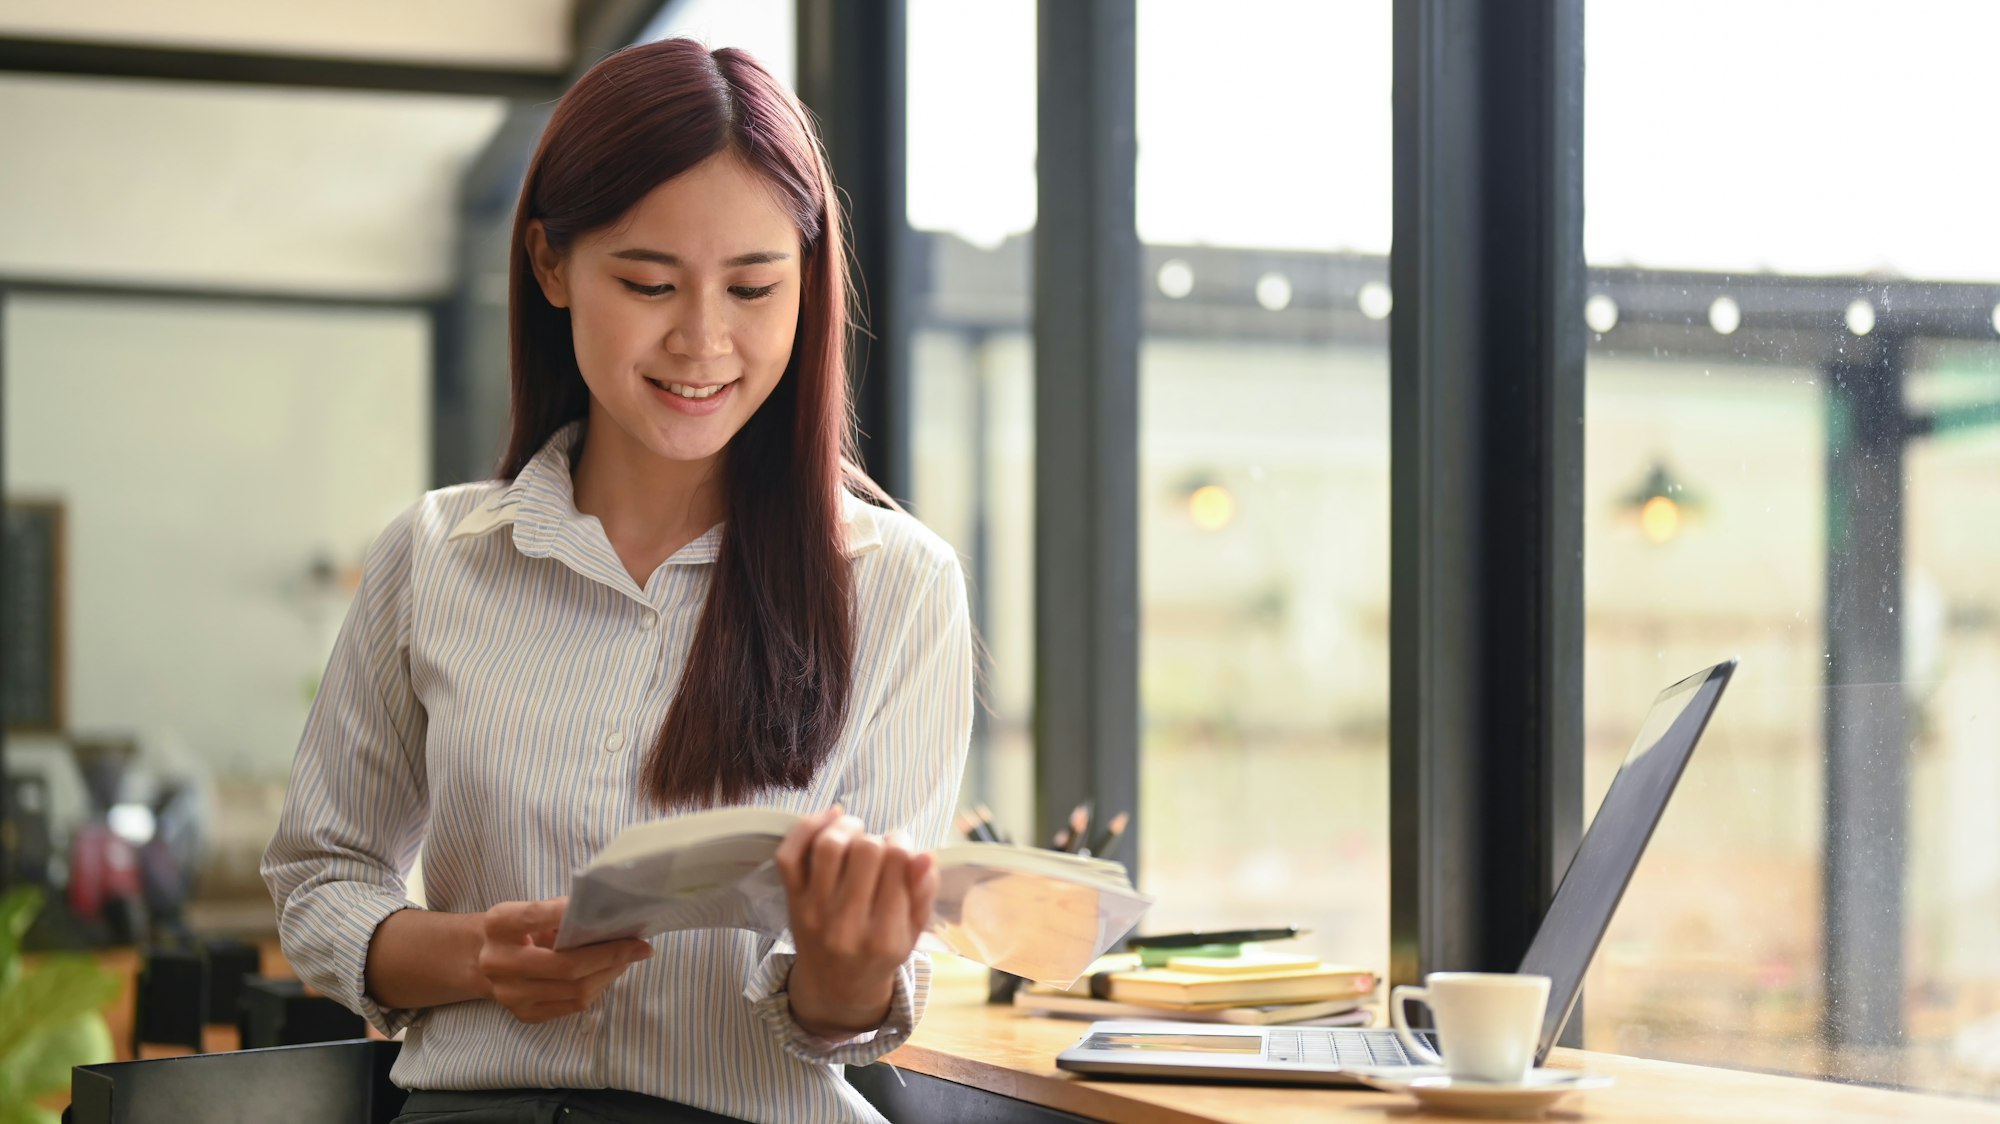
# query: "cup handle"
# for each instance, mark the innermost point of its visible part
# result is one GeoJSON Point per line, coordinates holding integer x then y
{"type": "Point", "coordinates": [1400, 995]}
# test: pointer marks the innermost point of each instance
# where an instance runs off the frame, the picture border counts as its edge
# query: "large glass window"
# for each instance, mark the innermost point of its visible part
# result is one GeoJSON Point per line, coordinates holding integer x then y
{"type": "Point", "coordinates": [1793, 414]}
{"type": "Point", "coordinates": [972, 206]}
{"type": "Point", "coordinates": [1263, 203]}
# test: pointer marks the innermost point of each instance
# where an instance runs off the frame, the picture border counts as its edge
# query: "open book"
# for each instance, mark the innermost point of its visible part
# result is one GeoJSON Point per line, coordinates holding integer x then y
{"type": "Point", "coordinates": [1044, 915]}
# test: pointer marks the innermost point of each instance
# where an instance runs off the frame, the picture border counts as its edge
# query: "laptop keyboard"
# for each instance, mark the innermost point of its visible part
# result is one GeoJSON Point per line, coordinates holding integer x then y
{"type": "Point", "coordinates": [1341, 1047]}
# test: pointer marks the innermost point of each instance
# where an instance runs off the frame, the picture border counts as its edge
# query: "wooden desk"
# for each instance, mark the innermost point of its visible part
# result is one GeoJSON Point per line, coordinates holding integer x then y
{"type": "Point", "coordinates": [999, 1050]}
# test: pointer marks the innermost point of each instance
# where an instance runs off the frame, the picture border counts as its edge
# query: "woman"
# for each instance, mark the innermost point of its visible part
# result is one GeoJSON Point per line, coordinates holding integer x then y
{"type": "Point", "coordinates": [671, 599]}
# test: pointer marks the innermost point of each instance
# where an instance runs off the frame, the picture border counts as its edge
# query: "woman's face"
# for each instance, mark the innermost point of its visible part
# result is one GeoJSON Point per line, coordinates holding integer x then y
{"type": "Point", "coordinates": [684, 312]}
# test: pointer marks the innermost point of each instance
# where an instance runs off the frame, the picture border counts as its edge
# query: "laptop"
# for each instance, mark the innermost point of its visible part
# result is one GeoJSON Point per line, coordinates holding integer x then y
{"type": "Point", "coordinates": [1562, 948]}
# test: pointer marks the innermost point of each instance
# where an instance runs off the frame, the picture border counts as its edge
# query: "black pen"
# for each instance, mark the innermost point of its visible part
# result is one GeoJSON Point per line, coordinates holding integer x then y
{"type": "Point", "coordinates": [1225, 936]}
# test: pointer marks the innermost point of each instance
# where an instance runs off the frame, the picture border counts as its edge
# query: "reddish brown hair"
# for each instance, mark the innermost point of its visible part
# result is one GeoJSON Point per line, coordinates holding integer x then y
{"type": "Point", "coordinates": [764, 695]}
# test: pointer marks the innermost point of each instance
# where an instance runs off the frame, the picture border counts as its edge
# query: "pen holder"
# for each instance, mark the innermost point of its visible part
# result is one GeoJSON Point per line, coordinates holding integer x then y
{"type": "Point", "coordinates": [1001, 986]}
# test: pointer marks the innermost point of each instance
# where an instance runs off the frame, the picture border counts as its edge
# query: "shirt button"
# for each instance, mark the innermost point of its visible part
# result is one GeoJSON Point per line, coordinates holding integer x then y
{"type": "Point", "coordinates": [649, 619]}
{"type": "Point", "coordinates": [614, 743]}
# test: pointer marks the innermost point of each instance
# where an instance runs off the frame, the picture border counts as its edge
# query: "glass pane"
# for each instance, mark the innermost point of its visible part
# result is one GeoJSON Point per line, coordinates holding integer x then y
{"type": "Point", "coordinates": [1793, 413]}
{"type": "Point", "coordinates": [768, 29]}
{"type": "Point", "coordinates": [972, 204]}
{"type": "Point", "coordinates": [1264, 476]}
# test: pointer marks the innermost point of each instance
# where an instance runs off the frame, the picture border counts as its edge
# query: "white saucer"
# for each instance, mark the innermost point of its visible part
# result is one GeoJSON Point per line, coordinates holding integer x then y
{"type": "Point", "coordinates": [1542, 1088]}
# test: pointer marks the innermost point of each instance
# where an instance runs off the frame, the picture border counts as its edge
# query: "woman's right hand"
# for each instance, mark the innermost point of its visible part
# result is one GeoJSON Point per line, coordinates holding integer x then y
{"type": "Point", "coordinates": [518, 967]}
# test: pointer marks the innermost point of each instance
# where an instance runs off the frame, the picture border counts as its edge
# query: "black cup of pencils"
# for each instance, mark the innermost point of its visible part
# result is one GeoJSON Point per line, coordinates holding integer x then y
{"type": "Point", "coordinates": [1074, 836]}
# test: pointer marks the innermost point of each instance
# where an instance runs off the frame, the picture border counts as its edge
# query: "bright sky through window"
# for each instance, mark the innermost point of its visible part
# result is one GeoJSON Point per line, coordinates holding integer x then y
{"type": "Point", "coordinates": [1817, 139]}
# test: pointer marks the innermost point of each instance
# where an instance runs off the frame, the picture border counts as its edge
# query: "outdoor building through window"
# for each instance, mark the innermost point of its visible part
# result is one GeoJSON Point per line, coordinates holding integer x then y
{"type": "Point", "coordinates": [1793, 435]}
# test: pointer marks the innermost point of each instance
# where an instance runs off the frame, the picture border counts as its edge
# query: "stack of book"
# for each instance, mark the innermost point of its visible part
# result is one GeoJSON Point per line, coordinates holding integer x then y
{"type": "Point", "coordinates": [1254, 988]}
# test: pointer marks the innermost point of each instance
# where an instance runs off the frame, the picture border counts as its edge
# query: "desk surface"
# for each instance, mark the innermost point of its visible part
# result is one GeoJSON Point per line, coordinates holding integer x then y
{"type": "Point", "coordinates": [1003, 1051]}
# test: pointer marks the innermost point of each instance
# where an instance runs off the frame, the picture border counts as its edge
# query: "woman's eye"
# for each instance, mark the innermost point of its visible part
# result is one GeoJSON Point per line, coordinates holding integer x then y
{"type": "Point", "coordinates": [647, 290]}
{"type": "Point", "coordinates": [751, 293]}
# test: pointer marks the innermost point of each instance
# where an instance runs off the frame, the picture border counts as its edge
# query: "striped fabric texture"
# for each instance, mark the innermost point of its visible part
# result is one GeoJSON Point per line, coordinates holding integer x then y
{"type": "Point", "coordinates": [491, 700]}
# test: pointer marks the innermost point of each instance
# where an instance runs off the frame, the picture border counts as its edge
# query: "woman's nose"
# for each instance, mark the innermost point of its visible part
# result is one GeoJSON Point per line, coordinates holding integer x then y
{"type": "Point", "coordinates": [699, 332]}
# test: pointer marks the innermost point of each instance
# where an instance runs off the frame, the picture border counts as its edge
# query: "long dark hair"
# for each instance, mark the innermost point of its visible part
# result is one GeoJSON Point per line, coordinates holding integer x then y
{"type": "Point", "coordinates": [764, 695]}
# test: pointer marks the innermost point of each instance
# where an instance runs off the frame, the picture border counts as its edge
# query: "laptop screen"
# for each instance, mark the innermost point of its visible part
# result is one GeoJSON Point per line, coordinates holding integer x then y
{"type": "Point", "coordinates": [1610, 850]}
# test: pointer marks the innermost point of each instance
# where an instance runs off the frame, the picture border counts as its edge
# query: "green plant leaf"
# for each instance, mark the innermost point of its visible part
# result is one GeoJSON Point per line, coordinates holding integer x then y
{"type": "Point", "coordinates": [26, 1112]}
{"type": "Point", "coordinates": [57, 991]}
{"type": "Point", "coordinates": [17, 911]}
{"type": "Point", "coordinates": [18, 908]}
{"type": "Point", "coordinates": [43, 1063]}
{"type": "Point", "coordinates": [50, 1018]}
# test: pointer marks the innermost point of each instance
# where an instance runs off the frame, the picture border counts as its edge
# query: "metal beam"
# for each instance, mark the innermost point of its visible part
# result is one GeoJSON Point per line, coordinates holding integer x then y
{"type": "Point", "coordinates": [1788, 322]}
{"type": "Point", "coordinates": [175, 64]}
{"type": "Point", "coordinates": [470, 387]}
{"type": "Point", "coordinates": [1867, 710]}
{"type": "Point", "coordinates": [42, 286]}
{"type": "Point", "coordinates": [1486, 477]}
{"type": "Point", "coordinates": [1086, 325]}
{"type": "Point", "coordinates": [597, 28]}
{"type": "Point", "coordinates": [852, 76]}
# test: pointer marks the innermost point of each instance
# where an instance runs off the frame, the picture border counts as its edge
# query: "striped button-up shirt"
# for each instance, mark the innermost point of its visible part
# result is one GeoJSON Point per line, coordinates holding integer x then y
{"type": "Point", "coordinates": [491, 700]}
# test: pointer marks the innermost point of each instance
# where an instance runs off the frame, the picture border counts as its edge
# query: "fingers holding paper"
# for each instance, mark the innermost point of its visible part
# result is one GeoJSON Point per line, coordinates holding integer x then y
{"type": "Point", "coordinates": [518, 966]}
{"type": "Point", "coordinates": [858, 903]}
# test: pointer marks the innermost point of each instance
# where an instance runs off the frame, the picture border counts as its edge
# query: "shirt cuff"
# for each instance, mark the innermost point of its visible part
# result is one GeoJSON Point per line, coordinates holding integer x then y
{"type": "Point", "coordinates": [391, 1021]}
{"type": "Point", "coordinates": [330, 950]}
{"type": "Point", "coordinates": [769, 997]}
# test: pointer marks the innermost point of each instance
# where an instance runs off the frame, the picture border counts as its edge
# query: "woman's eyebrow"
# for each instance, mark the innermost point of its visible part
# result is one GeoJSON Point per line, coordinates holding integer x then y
{"type": "Point", "coordinates": [659, 257]}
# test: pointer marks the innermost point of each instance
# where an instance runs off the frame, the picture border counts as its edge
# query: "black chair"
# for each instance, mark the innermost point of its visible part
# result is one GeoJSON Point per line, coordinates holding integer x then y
{"type": "Point", "coordinates": [182, 988]}
{"type": "Point", "coordinates": [324, 1083]}
{"type": "Point", "coordinates": [170, 1002]}
{"type": "Point", "coordinates": [230, 964]}
{"type": "Point", "coordinates": [280, 1013]}
{"type": "Point", "coordinates": [348, 1083]}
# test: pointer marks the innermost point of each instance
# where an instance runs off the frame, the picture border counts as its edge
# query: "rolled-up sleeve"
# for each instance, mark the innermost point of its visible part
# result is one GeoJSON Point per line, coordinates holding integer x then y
{"type": "Point", "coordinates": [356, 806]}
{"type": "Point", "coordinates": [903, 774]}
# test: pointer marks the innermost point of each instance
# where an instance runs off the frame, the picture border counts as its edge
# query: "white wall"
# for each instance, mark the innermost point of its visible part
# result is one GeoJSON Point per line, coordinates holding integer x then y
{"type": "Point", "coordinates": [206, 452]}
{"type": "Point", "coordinates": [235, 188]}
{"type": "Point", "coordinates": [529, 34]}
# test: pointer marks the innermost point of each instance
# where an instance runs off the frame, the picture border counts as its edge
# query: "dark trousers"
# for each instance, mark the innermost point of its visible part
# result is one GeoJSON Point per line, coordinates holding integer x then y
{"type": "Point", "coordinates": [550, 1106]}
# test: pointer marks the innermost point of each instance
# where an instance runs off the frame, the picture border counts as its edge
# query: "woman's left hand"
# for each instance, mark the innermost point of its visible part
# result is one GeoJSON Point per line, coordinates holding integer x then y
{"type": "Point", "coordinates": [858, 903]}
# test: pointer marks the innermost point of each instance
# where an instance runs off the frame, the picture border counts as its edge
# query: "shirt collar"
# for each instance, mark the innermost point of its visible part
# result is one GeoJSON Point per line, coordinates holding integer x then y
{"type": "Point", "coordinates": [543, 498]}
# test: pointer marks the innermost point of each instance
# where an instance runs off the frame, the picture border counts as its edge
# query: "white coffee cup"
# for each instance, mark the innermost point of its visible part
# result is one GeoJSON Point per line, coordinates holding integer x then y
{"type": "Point", "coordinates": [1488, 1023]}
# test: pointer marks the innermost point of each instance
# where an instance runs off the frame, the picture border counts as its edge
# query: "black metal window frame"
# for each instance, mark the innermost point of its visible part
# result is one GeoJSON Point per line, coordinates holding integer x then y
{"type": "Point", "coordinates": [851, 74]}
{"type": "Point", "coordinates": [1486, 477]}
{"type": "Point", "coordinates": [1486, 361]}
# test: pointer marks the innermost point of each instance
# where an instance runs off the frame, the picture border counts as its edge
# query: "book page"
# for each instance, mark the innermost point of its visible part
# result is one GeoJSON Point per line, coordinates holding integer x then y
{"type": "Point", "coordinates": [730, 882]}
{"type": "Point", "coordinates": [1038, 914]}
{"type": "Point", "coordinates": [1032, 925]}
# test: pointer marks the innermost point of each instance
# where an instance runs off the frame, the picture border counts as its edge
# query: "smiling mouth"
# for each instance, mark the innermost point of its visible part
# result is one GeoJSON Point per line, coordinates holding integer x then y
{"type": "Point", "coordinates": [688, 390]}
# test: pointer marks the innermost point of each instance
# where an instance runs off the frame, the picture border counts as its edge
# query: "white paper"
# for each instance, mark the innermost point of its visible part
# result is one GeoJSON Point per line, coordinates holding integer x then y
{"type": "Point", "coordinates": [993, 907]}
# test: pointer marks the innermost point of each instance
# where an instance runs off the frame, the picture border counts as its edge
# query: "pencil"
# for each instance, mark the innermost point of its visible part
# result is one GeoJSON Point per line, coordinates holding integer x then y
{"type": "Point", "coordinates": [980, 830]}
{"type": "Point", "coordinates": [1113, 834]}
{"type": "Point", "coordinates": [985, 815]}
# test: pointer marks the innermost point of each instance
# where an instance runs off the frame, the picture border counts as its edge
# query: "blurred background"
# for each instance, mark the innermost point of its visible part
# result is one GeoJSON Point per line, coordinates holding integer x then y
{"type": "Point", "coordinates": [252, 303]}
